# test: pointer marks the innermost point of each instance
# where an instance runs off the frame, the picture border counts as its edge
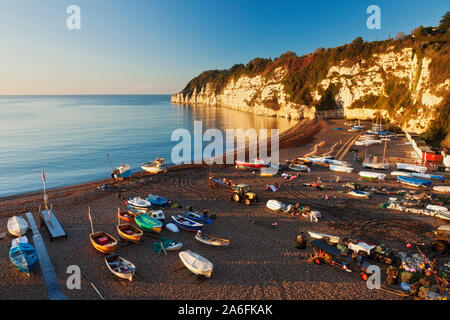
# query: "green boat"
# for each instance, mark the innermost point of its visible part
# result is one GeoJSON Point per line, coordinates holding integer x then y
{"type": "Point", "coordinates": [148, 223]}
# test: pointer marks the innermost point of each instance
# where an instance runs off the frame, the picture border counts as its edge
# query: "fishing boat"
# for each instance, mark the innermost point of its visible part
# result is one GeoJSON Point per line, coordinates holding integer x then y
{"type": "Point", "coordinates": [376, 165]}
{"type": "Point", "coordinates": [129, 232]}
{"type": "Point", "coordinates": [443, 189]}
{"type": "Point", "coordinates": [148, 223]}
{"type": "Point", "coordinates": [255, 164]}
{"type": "Point", "coordinates": [411, 167]}
{"type": "Point", "coordinates": [196, 263]}
{"type": "Point", "coordinates": [210, 240]}
{"type": "Point", "coordinates": [17, 226]}
{"type": "Point", "coordinates": [187, 224]}
{"type": "Point", "coordinates": [415, 182]}
{"type": "Point", "coordinates": [198, 217]}
{"type": "Point", "coordinates": [301, 160]}
{"type": "Point", "coordinates": [157, 200]}
{"type": "Point", "coordinates": [136, 211]}
{"type": "Point", "coordinates": [360, 194]}
{"type": "Point", "coordinates": [166, 244]}
{"type": "Point", "coordinates": [157, 214]}
{"type": "Point", "coordinates": [101, 240]}
{"type": "Point", "coordinates": [372, 175]}
{"type": "Point", "coordinates": [339, 168]}
{"type": "Point", "coordinates": [23, 256]}
{"type": "Point", "coordinates": [122, 172]}
{"type": "Point", "coordinates": [298, 167]}
{"type": "Point", "coordinates": [120, 267]}
{"type": "Point", "coordinates": [275, 205]}
{"type": "Point", "coordinates": [139, 203]}
{"type": "Point", "coordinates": [159, 165]}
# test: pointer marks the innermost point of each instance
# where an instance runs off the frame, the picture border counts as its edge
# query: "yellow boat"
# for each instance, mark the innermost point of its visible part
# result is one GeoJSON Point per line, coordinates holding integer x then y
{"type": "Point", "coordinates": [129, 232]}
{"type": "Point", "coordinates": [103, 242]}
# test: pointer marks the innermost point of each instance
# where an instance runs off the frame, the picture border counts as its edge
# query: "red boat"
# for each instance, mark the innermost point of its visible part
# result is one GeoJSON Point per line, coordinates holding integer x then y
{"type": "Point", "coordinates": [256, 164]}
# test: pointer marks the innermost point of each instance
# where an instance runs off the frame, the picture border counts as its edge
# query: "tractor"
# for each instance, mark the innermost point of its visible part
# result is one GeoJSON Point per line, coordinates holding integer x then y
{"type": "Point", "coordinates": [242, 193]}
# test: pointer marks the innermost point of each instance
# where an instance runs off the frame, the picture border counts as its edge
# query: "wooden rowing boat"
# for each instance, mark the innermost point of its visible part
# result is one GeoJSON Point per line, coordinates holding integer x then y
{"type": "Point", "coordinates": [120, 267]}
{"type": "Point", "coordinates": [17, 226]}
{"type": "Point", "coordinates": [210, 240]}
{"type": "Point", "coordinates": [23, 256]}
{"type": "Point", "coordinates": [196, 263]}
{"type": "Point", "coordinates": [148, 223]}
{"type": "Point", "coordinates": [101, 240]}
{"type": "Point", "coordinates": [125, 216]}
{"type": "Point", "coordinates": [129, 232]}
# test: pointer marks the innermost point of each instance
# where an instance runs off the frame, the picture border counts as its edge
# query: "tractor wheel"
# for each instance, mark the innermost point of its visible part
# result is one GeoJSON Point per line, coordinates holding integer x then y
{"type": "Point", "coordinates": [248, 202]}
{"type": "Point", "coordinates": [236, 197]}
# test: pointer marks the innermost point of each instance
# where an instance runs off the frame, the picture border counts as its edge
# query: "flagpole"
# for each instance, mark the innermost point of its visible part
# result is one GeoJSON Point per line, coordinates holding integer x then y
{"type": "Point", "coordinates": [45, 194]}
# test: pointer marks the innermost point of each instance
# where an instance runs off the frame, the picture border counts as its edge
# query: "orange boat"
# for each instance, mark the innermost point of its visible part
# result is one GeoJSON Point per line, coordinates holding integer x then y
{"type": "Point", "coordinates": [101, 240]}
{"type": "Point", "coordinates": [129, 232]}
{"type": "Point", "coordinates": [125, 216]}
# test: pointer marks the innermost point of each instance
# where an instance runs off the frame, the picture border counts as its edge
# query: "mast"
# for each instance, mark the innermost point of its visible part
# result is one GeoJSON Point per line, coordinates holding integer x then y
{"type": "Point", "coordinates": [384, 152]}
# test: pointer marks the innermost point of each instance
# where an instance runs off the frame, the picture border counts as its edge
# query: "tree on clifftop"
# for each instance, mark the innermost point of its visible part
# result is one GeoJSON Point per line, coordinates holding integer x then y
{"type": "Point", "coordinates": [445, 22]}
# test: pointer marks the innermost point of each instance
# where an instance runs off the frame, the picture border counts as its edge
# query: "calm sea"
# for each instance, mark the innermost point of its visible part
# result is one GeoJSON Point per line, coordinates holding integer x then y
{"type": "Point", "coordinates": [69, 136]}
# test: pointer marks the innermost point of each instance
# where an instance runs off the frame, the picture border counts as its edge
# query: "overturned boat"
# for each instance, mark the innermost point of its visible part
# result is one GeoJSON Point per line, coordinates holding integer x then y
{"type": "Point", "coordinates": [415, 182]}
{"type": "Point", "coordinates": [411, 167]}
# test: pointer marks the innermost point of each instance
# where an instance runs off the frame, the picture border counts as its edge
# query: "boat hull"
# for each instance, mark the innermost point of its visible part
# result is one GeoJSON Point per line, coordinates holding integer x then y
{"type": "Point", "coordinates": [414, 182]}
{"type": "Point", "coordinates": [212, 241]}
{"type": "Point", "coordinates": [24, 257]}
{"type": "Point", "coordinates": [187, 224]}
{"type": "Point", "coordinates": [135, 237]}
{"type": "Point", "coordinates": [148, 223]}
{"type": "Point", "coordinates": [107, 248]}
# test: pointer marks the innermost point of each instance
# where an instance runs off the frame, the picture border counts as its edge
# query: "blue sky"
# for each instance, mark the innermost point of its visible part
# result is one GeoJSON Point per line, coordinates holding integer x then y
{"type": "Point", "coordinates": [146, 46]}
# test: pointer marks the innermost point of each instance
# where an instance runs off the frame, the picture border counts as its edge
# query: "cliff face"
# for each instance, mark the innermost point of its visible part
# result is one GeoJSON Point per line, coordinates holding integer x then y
{"type": "Point", "coordinates": [395, 84]}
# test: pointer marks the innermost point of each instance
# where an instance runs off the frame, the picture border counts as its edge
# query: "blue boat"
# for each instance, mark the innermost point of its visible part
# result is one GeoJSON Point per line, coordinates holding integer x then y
{"type": "Point", "coordinates": [23, 256]}
{"type": "Point", "coordinates": [157, 200]}
{"type": "Point", "coordinates": [415, 182]}
{"type": "Point", "coordinates": [198, 217]}
{"type": "Point", "coordinates": [122, 172]}
{"type": "Point", "coordinates": [187, 224]}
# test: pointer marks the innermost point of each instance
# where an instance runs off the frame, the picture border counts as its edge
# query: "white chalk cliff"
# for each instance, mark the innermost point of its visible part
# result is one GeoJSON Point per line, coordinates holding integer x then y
{"type": "Point", "coordinates": [364, 78]}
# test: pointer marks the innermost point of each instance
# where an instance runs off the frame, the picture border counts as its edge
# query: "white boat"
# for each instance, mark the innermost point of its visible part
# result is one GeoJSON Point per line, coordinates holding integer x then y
{"type": "Point", "coordinates": [411, 167]}
{"type": "Point", "coordinates": [298, 167]}
{"type": "Point", "coordinates": [159, 165]}
{"type": "Point", "coordinates": [330, 238]}
{"type": "Point", "coordinates": [196, 263]}
{"type": "Point", "coordinates": [361, 246]}
{"type": "Point", "coordinates": [139, 203]}
{"type": "Point", "coordinates": [443, 189]}
{"type": "Point", "coordinates": [172, 227]}
{"type": "Point", "coordinates": [376, 165]}
{"type": "Point", "coordinates": [360, 194]}
{"type": "Point", "coordinates": [340, 168]}
{"type": "Point", "coordinates": [157, 214]}
{"type": "Point", "coordinates": [443, 215]}
{"type": "Point", "coordinates": [275, 205]}
{"type": "Point", "coordinates": [367, 142]}
{"type": "Point", "coordinates": [17, 226]}
{"type": "Point", "coordinates": [120, 267]}
{"type": "Point", "coordinates": [22, 239]}
{"type": "Point", "coordinates": [401, 173]}
{"type": "Point", "coordinates": [436, 208]}
{"type": "Point", "coordinates": [372, 175]}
